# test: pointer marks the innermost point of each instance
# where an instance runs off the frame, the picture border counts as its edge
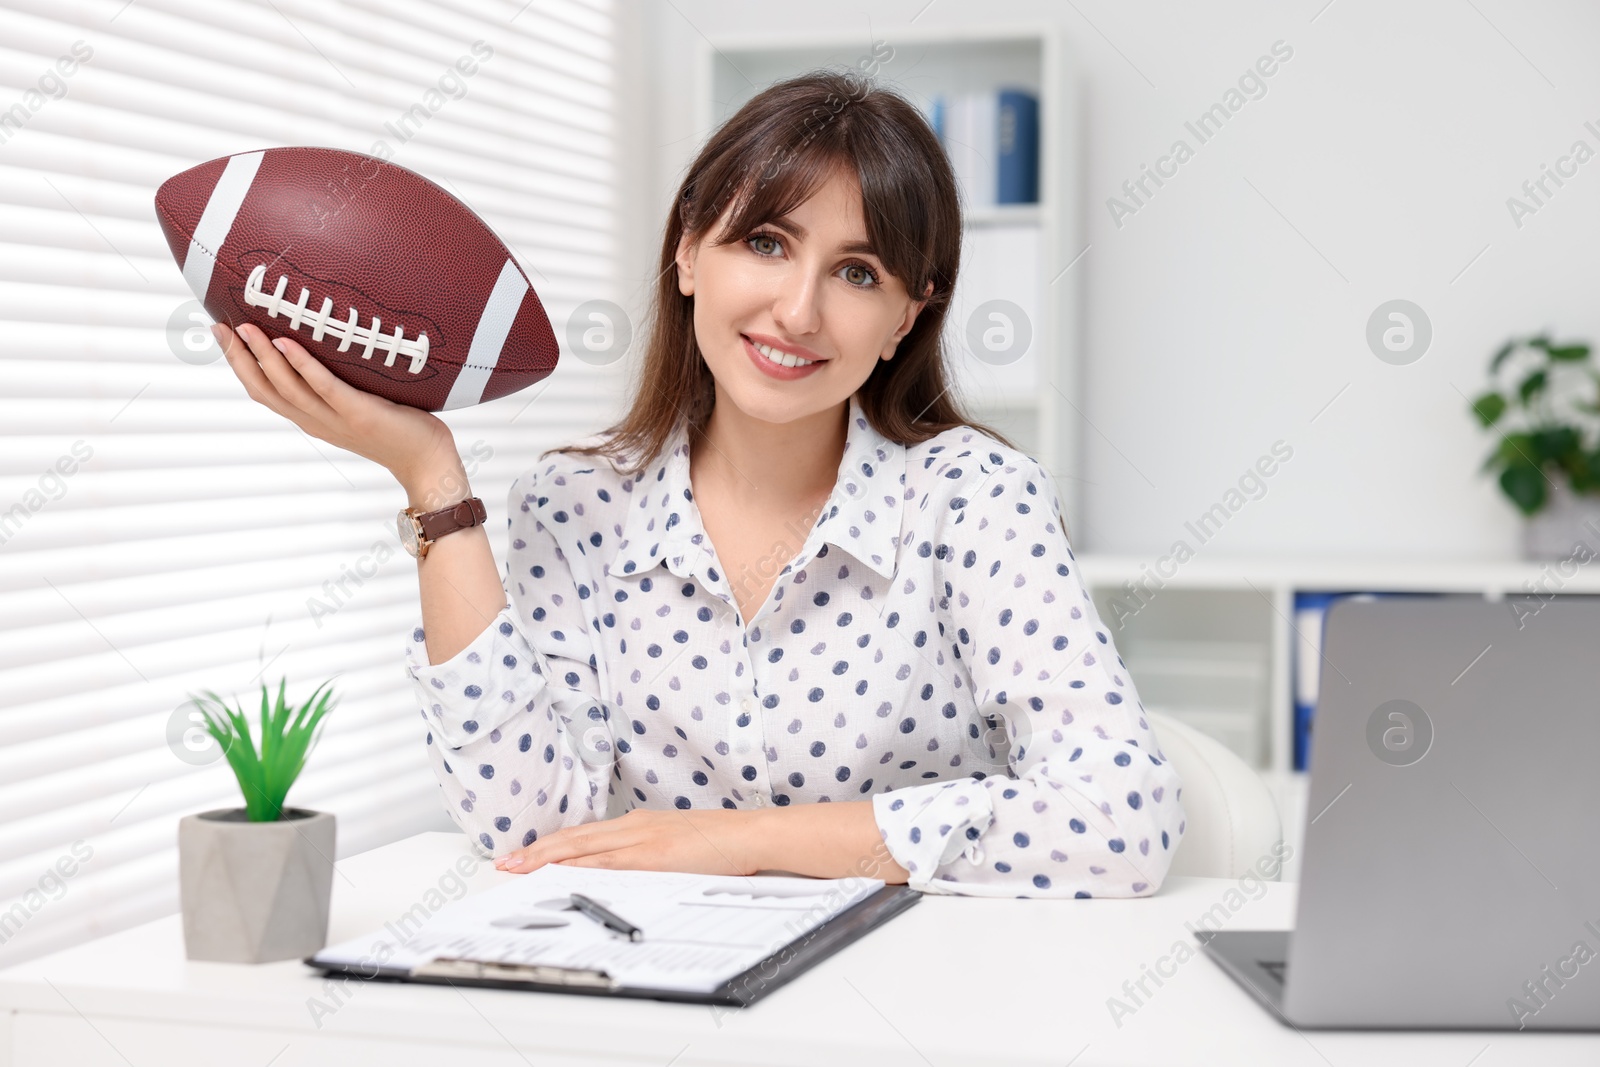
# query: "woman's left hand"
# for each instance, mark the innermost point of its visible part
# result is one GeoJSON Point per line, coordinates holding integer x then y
{"type": "Point", "coordinates": [692, 842]}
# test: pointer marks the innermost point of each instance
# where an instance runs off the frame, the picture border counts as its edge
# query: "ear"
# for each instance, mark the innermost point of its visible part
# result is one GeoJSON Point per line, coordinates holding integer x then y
{"type": "Point", "coordinates": [909, 321]}
{"type": "Point", "coordinates": [685, 259]}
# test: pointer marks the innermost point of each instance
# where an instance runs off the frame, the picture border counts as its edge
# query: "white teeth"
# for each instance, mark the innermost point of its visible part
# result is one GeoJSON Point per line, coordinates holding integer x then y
{"type": "Point", "coordinates": [783, 359]}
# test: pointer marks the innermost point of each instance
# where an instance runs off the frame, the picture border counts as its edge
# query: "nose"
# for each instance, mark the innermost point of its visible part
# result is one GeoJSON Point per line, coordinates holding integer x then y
{"type": "Point", "coordinates": [796, 308]}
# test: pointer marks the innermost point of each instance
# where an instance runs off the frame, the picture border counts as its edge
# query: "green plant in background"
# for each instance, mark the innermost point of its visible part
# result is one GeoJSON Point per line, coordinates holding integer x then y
{"type": "Point", "coordinates": [1544, 443]}
{"type": "Point", "coordinates": [265, 773]}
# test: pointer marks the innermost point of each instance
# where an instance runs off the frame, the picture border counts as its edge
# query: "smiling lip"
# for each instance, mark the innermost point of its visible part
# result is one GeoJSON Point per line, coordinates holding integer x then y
{"type": "Point", "coordinates": [799, 351]}
{"type": "Point", "coordinates": [773, 370]}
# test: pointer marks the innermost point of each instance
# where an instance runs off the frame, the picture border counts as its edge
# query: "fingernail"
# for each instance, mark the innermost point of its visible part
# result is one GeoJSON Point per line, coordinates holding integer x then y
{"type": "Point", "coordinates": [277, 342]}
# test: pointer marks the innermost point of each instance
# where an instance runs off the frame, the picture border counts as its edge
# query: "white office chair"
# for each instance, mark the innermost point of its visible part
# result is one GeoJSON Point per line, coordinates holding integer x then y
{"type": "Point", "coordinates": [1232, 817]}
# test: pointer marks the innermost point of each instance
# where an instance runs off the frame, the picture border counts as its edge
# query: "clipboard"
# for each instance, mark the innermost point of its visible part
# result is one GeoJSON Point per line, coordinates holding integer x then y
{"type": "Point", "coordinates": [742, 990]}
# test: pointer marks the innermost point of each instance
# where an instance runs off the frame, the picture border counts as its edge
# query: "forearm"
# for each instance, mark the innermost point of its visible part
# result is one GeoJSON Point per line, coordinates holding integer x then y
{"type": "Point", "coordinates": [461, 591]}
{"type": "Point", "coordinates": [832, 840]}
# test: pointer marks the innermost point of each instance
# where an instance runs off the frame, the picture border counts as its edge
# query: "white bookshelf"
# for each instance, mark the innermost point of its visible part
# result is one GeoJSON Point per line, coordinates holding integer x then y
{"type": "Point", "coordinates": [1030, 400]}
{"type": "Point", "coordinates": [1202, 629]}
{"type": "Point", "coordinates": [1213, 644]}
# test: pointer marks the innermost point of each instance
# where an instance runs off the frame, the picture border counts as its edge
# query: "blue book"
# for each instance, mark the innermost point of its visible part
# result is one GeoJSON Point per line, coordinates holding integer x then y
{"type": "Point", "coordinates": [1306, 666]}
{"type": "Point", "coordinates": [1017, 148]}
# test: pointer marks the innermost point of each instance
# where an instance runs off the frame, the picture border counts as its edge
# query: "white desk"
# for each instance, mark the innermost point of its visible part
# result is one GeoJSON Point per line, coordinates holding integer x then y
{"type": "Point", "coordinates": [952, 981]}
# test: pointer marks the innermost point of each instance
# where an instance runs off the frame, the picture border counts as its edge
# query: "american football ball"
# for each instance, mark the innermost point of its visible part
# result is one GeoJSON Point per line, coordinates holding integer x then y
{"type": "Point", "coordinates": [393, 284]}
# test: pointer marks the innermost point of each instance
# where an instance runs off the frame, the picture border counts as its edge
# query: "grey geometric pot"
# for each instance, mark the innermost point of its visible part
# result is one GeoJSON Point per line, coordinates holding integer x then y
{"type": "Point", "coordinates": [254, 892]}
{"type": "Point", "coordinates": [1566, 520]}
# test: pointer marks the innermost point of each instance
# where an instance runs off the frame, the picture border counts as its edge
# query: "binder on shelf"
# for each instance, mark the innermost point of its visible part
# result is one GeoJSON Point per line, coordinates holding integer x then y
{"type": "Point", "coordinates": [1017, 148]}
{"type": "Point", "coordinates": [992, 139]}
{"type": "Point", "coordinates": [1309, 611]}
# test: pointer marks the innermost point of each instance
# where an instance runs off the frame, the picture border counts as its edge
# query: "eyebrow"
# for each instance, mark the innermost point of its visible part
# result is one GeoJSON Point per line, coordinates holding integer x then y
{"type": "Point", "coordinates": [797, 230]}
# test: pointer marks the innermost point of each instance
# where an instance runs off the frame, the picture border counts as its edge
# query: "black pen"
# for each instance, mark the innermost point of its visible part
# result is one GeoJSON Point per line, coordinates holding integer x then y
{"type": "Point", "coordinates": [609, 918]}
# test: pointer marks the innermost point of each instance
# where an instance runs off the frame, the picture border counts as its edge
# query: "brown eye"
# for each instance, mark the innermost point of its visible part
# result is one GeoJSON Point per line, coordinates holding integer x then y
{"type": "Point", "coordinates": [870, 279]}
{"type": "Point", "coordinates": [760, 237]}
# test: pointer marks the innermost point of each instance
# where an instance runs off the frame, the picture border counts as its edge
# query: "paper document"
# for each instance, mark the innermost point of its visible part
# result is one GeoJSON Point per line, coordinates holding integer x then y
{"type": "Point", "coordinates": [699, 930]}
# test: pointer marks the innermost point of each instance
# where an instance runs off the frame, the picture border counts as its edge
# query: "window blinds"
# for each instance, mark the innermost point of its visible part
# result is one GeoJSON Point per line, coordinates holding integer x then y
{"type": "Point", "coordinates": [160, 532]}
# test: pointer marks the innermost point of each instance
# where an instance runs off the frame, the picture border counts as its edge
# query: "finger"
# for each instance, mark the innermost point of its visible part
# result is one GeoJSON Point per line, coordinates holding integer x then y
{"type": "Point", "coordinates": [565, 844]}
{"type": "Point", "coordinates": [244, 365]}
{"type": "Point", "coordinates": [611, 861]}
{"type": "Point", "coordinates": [333, 391]}
{"type": "Point", "coordinates": [231, 343]}
{"type": "Point", "coordinates": [284, 377]}
{"type": "Point", "coordinates": [530, 856]}
{"type": "Point", "coordinates": [523, 862]}
{"type": "Point", "coordinates": [552, 849]}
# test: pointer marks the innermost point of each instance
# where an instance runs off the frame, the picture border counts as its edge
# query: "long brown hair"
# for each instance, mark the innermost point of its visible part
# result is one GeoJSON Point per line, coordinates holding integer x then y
{"type": "Point", "coordinates": [769, 158]}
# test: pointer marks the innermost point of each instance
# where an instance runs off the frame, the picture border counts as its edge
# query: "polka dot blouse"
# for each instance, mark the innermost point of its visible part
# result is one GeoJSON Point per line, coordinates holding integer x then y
{"type": "Point", "coordinates": [931, 647]}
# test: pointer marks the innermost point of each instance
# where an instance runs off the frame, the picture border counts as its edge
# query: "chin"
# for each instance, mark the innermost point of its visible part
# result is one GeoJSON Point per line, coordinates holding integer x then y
{"type": "Point", "coordinates": [773, 408]}
{"type": "Point", "coordinates": [773, 405]}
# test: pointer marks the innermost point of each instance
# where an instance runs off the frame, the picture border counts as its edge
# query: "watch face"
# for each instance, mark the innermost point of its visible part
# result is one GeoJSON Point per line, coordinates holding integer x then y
{"type": "Point", "coordinates": [408, 532]}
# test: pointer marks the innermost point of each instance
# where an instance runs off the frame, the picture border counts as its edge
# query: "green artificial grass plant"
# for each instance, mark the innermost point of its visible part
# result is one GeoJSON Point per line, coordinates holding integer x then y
{"type": "Point", "coordinates": [266, 773]}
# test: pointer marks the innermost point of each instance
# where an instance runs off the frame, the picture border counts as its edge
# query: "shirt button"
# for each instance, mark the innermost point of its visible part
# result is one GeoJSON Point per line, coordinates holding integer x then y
{"type": "Point", "coordinates": [748, 704]}
{"type": "Point", "coordinates": [761, 801]}
{"type": "Point", "coordinates": [742, 747]}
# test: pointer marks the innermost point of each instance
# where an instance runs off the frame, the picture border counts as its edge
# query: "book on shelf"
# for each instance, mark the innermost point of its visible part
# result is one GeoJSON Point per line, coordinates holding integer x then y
{"type": "Point", "coordinates": [992, 139]}
{"type": "Point", "coordinates": [1306, 665]}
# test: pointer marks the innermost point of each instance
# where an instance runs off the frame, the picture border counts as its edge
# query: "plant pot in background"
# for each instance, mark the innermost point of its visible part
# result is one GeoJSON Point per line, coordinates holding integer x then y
{"type": "Point", "coordinates": [1556, 529]}
{"type": "Point", "coordinates": [254, 892]}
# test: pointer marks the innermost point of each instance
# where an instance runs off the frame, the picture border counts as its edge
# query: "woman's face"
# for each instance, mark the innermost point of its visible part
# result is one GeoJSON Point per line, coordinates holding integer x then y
{"type": "Point", "coordinates": [804, 284]}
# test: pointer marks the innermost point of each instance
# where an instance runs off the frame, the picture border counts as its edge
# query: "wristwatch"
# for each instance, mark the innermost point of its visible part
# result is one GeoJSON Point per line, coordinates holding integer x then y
{"type": "Point", "coordinates": [419, 530]}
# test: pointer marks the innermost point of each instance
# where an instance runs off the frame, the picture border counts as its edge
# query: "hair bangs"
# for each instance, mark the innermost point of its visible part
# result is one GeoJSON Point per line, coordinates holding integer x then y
{"type": "Point", "coordinates": [773, 189]}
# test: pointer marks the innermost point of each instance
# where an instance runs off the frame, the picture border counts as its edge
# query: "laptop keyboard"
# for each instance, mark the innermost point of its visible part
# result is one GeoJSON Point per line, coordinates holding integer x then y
{"type": "Point", "coordinates": [1274, 968]}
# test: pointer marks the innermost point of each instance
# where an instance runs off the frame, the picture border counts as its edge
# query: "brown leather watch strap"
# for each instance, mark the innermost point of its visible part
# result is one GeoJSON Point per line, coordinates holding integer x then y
{"type": "Point", "coordinates": [458, 516]}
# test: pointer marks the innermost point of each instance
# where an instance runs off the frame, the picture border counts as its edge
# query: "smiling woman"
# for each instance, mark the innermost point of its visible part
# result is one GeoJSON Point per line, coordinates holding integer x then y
{"type": "Point", "coordinates": [844, 188]}
{"type": "Point", "coordinates": [795, 611]}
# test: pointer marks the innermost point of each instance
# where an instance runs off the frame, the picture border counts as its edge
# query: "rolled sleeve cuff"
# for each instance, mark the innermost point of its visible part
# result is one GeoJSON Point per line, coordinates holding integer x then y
{"type": "Point", "coordinates": [482, 686]}
{"type": "Point", "coordinates": [926, 826]}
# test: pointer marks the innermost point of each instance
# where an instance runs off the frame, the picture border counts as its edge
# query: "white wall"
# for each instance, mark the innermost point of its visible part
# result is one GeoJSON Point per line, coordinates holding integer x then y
{"type": "Point", "coordinates": [1390, 141]}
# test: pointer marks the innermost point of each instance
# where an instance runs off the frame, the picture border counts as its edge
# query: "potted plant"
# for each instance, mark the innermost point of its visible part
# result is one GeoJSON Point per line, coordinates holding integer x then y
{"type": "Point", "coordinates": [1548, 455]}
{"type": "Point", "coordinates": [255, 881]}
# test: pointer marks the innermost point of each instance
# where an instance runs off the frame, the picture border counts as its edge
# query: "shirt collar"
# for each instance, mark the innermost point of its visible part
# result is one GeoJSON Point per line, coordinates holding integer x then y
{"type": "Point", "coordinates": [861, 515]}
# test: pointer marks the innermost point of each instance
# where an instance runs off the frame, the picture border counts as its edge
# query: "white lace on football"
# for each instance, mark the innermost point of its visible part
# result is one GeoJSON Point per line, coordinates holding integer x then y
{"type": "Point", "coordinates": [349, 331]}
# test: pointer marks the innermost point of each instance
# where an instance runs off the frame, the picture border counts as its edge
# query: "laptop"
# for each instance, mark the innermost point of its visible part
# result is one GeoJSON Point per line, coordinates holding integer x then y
{"type": "Point", "coordinates": [1450, 867]}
